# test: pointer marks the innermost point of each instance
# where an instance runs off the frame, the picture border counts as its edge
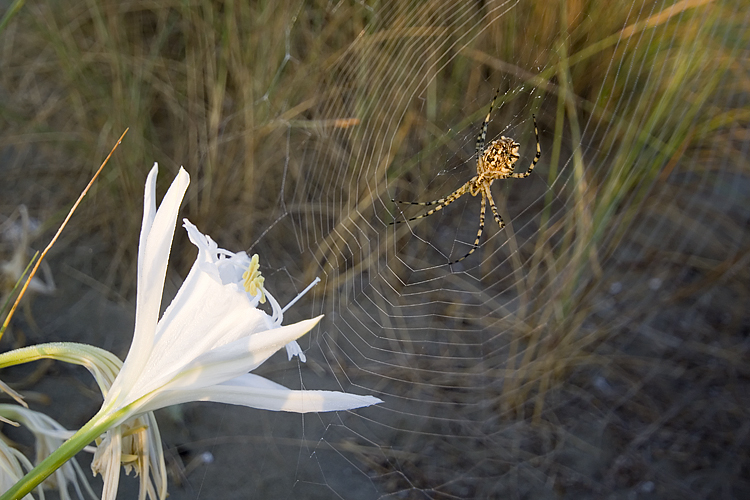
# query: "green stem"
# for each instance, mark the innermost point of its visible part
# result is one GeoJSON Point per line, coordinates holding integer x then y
{"type": "Point", "coordinates": [94, 428]}
{"type": "Point", "coordinates": [12, 11]}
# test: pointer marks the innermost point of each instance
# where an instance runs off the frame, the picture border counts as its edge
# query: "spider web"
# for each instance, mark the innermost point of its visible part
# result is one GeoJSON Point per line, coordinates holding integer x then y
{"type": "Point", "coordinates": [596, 346]}
{"type": "Point", "coordinates": [501, 374]}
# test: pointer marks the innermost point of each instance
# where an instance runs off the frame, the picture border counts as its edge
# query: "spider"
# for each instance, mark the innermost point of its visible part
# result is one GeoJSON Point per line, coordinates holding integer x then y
{"type": "Point", "coordinates": [497, 161]}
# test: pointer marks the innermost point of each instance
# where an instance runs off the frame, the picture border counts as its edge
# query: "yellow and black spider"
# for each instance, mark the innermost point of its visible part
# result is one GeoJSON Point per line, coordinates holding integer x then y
{"type": "Point", "coordinates": [495, 162]}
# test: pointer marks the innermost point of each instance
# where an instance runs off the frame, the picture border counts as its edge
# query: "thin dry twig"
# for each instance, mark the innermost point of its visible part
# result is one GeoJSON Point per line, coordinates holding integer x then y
{"type": "Point", "coordinates": [57, 234]}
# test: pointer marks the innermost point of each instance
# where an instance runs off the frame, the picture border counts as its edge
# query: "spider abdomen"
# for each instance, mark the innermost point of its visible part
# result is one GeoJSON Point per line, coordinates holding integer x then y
{"type": "Point", "coordinates": [498, 159]}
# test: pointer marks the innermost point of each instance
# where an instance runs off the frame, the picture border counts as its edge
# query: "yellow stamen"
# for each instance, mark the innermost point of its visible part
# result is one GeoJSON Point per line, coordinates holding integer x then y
{"type": "Point", "coordinates": [253, 280]}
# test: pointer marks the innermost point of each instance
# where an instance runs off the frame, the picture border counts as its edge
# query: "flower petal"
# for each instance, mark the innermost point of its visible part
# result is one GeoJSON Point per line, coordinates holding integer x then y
{"type": "Point", "coordinates": [293, 349]}
{"type": "Point", "coordinates": [220, 364]}
{"type": "Point", "coordinates": [258, 392]}
{"type": "Point", "coordinates": [245, 354]}
{"type": "Point", "coordinates": [157, 232]}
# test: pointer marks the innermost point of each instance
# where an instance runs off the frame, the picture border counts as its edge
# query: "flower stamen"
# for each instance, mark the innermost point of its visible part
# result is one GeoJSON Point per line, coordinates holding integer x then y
{"type": "Point", "coordinates": [253, 281]}
{"type": "Point", "coordinates": [299, 296]}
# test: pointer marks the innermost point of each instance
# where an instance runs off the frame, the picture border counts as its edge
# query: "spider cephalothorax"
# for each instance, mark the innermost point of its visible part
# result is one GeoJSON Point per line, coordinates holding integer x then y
{"type": "Point", "coordinates": [497, 161]}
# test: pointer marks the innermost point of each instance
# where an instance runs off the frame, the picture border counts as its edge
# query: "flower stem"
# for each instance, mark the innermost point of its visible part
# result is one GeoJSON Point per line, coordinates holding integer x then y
{"type": "Point", "coordinates": [95, 427]}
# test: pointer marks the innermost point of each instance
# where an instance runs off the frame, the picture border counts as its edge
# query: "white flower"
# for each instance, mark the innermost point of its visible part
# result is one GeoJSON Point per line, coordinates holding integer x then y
{"type": "Point", "coordinates": [212, 334]}
{"type": "Point", "coordinates": [208, 339]}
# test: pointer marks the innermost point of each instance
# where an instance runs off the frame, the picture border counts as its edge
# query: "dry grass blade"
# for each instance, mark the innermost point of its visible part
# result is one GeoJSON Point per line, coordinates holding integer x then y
{"type": "Point", "coordinates": [57, 234]}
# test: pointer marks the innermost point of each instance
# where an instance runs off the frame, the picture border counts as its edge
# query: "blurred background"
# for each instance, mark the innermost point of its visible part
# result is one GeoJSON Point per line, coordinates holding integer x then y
{"type": "Point", "coordinates": [595, 347]}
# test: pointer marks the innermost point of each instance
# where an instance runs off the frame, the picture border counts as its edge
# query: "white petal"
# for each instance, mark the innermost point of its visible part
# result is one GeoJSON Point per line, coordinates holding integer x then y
{"type": "Point", "coordinates": [221, 364]}
{"type": "Point", "coordinates": [157, 232]}
{"type": "Point", "coordinates": [258, 392]}
{"type": "Point", "coordinates": [248, 353]}
{"type": "Point", "coordinates": [154, 250]}
{"type": "Point", "coordinates": [293, 349]}
{"type": "Point", "coordinates": [207, 249]}
{"type": "Point", "coordinates": [149, 212]}
{"type": "Point", "coordinates": [203, 317]}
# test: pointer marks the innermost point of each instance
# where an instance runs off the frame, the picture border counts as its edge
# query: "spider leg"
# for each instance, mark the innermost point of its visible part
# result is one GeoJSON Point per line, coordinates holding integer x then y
{"type": "Point", "coordinates": [498, 219]}
{"type": "Point", "coordinates": [479, 232]}
{"type": "Point", "coordinates": [483, 133]}
{"type": "Point", "coordinates": [441, 203]}
{"type": "Point", "coordinates": [420, 203]}
{"type": "Point", "coordinates": [536, 158]}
